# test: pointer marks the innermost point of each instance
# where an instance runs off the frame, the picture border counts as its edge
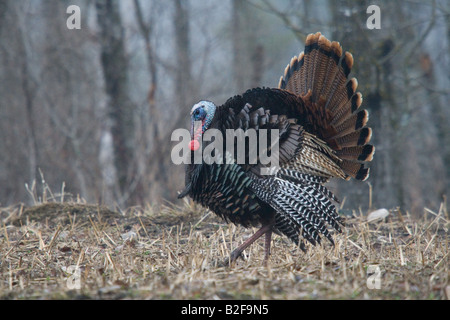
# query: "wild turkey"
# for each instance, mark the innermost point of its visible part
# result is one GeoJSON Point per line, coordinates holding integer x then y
{"type": "Point", "coordinates": [322, 134]}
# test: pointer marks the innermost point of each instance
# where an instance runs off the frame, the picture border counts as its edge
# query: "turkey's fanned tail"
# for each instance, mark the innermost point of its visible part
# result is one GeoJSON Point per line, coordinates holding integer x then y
{"type": "Point", "coordinates": [320, 76]}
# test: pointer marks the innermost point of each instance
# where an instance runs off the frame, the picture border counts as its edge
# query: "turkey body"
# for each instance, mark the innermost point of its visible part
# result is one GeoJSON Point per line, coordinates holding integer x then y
{"type": "Point", "coordinates": [320, 133]}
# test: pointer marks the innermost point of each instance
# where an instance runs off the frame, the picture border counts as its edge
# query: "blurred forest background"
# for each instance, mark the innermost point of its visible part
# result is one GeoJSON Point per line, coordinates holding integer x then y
{"type": "Point", "coordinates": [92, 110]}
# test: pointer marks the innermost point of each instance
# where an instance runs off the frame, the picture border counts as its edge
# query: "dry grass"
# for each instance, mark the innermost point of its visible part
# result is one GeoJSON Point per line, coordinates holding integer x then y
{"type": "Point", "coordinates": [176, 253]}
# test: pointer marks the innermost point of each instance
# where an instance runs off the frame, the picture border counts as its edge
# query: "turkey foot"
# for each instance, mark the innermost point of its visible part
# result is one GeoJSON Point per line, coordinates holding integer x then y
{"type": "Point", "coordinates": [265, 229]}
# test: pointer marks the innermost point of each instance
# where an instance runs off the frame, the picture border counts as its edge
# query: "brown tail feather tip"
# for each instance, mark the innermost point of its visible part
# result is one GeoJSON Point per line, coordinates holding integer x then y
{"type": "Point", "coordinates": [312, 38]}
{"type": "Point", "coordinates": [301, 56]}
{"type": "Point", "coordinates": [281, 83]}
{"type": "Point", "coordinates": [331, 49]}
{"type": "Point", "coordinates": [347, 63]}
{"type": "Point", "coordinates": [363, 118]}
{"type": "Point", "coordinates": [359, 119]}
{"type": "Point", "coordinates": [365, 136]}
{"type": "Point", "coordinates": [355, 170]}
{"type": "Point", "coordinates": [336, 48]}
{"type": "Point", "coordinates": [363, 174]}
{"type": "Point", "coordinates": [367, 154]}
{"type": "Point", "coordinates": [324, 43]}
{"type": "Point", "coordinates": [292, 64]}
{"type": "Point", "coordinates": [353, 122]}
{"type": "Point", "coordinates": [357, 101]}
{"type": "Point", "coordinates": [353, 85]}
{"type": "Point", "coordinates": [342, 114]}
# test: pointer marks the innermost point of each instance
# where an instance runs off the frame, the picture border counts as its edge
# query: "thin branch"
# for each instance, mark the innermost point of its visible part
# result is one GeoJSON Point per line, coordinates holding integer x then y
{"type": "Point", "coordinates": [419, 40]}
{"type": "Point", "coordinates": [270, 8]}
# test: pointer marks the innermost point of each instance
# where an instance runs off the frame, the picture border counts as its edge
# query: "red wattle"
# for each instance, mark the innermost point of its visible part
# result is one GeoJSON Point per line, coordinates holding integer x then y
{"type": "Point", "coordinates": [194, 145]}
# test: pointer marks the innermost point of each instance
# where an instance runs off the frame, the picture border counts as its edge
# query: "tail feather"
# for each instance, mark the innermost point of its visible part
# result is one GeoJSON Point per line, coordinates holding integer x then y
{"type": "Point", "coordinates": [311, 59]}
{"type": "Point", "coordinates": [308, 206]}
{"type": "Point", "coordinates": [332, 67]}
{"type": "Point", "coordinates": [359, 137]}
{"type": "Point", "coordinates": [288, 227]}
{"type": "Point", "coordinates": [303, 205]}
{"type": "Point", "coordinates": [350, 107]}
{"type": "Point", "coordinates": [342, 96]}
{"type": "Point", "coordinates": [360, 153]}
{"type": "Point", "coordinates": [355, 170]}
{"type": "Point", "coordinates": [294, 75]}
{"type": "Point", "coordinates": [302, 216]}
{"type": "Point", "coordinates": [353, 122]}
{"type": "Point", "coordinates": [339, 83]}
{"type": "Point", "coordinates": [323, 62]}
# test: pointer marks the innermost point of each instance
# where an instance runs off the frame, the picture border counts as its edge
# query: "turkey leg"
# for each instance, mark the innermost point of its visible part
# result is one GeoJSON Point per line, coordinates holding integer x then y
{"type": "Point", "coordinates": [265, 229]}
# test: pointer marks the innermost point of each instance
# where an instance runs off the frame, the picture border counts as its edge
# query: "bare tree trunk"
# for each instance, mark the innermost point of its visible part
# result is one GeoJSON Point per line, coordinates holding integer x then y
{"type": "Point", "coordinates": [149, 135]}
{"type": "Point", "coordinates": [3, 9]}
{"type": "Point", "coordinates": [248, 53]}
{"type": "Point", "coordinates": [65, 117]}
{"type": "Point", "coordinates": [239, 69]}
{"type": "Point", "coordinates": [29, 92]}
{"type": "Point", "coordinates": [120, 108]}
{"type": "Point", "coordinates": [146, 30]}
{"type": "Point", "coordinates": [184, 84]}
{"type": "Point", "coordinates": [186, 90]}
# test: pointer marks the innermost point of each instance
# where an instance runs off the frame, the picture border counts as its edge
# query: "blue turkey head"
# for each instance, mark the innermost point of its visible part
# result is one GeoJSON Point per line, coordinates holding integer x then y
{"type": "Point", "coordinates": [202, 114]}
